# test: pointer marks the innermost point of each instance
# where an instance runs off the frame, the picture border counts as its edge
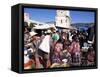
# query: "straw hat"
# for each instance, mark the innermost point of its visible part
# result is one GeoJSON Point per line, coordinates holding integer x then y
{"type": "Point", "coordinates": [32, 33]}
{"type": "Point", "coordinates": [25, 52]}
{"type": "Point", "coordinates": [48, 31]}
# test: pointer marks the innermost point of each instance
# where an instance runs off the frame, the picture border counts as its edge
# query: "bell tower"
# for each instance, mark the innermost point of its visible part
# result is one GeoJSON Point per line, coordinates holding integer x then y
{"type": "Point", "coordinates": [62, 19]}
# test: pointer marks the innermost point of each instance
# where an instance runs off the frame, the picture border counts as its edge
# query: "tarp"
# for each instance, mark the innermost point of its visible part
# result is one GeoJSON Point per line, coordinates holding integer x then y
{"type": "Point", "coordinates": [44, 26]}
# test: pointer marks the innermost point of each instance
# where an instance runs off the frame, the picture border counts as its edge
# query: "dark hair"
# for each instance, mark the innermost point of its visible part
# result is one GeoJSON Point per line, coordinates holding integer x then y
{"type": "Point", "coordinates": [90, 49]}
{"type": "Point", "coordinates": [31, 56]}
{"type": "Point", "coordinates": [59, 41]}
{"type": "Point", "coordinates": [75, 38]}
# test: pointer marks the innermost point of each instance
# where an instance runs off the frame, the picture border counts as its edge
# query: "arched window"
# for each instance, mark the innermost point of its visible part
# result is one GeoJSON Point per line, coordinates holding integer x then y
{"type": "Point", "coordinates": [61, 21]}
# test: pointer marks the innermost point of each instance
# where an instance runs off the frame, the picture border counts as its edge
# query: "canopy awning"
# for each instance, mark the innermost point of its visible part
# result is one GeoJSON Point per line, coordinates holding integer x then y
{"type": "Point", "coordinates": [44, 26]}
{"type": "Point", "coordinates": [68, 27]}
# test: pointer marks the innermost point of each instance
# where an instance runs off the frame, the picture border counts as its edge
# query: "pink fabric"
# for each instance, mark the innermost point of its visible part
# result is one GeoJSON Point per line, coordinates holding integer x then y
{"type": "Point", "coordinates": [75, 47]}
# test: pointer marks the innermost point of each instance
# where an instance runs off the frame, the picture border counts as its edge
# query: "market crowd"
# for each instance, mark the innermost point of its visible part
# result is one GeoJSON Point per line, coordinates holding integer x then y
{"type": "Point", "coordinates": [52, 48]}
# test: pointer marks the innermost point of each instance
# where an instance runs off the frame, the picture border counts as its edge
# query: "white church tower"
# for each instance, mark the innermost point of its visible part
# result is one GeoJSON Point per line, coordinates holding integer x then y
{"type": "Point", "coordinates": [62, 19]}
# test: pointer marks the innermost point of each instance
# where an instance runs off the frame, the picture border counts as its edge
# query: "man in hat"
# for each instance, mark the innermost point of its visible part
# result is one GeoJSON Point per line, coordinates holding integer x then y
{"type": "Point", "coordinates": [45, 48]}
{"type": "Point", "coordinates": [34, 41]}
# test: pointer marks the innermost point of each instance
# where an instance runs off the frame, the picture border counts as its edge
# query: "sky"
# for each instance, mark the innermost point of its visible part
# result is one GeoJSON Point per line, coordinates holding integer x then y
{"type": "Point", "coordinates": [48, 15]}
